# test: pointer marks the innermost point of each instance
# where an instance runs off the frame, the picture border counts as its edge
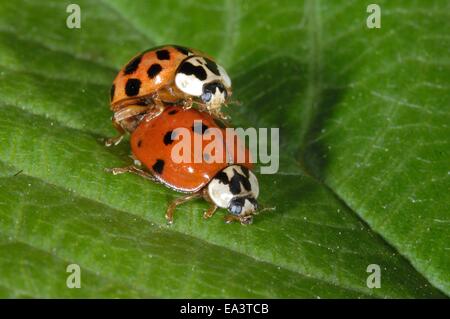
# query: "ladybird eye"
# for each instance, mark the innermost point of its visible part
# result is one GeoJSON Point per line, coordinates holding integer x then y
{"type": "Point", "coordinates": [235, 209]}
{"type": "Point", "coordinates": [212, 88]}
{"type": "Point", "coordinates": [206, 96]}
{"type": "Point", "coordinates": [236, 205]}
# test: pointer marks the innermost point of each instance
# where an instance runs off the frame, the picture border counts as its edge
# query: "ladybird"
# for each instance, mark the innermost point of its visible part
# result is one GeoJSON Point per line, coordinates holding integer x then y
{"type": "Point", "coordinates": [224, 183]}
{"type": "Point", "coordinates": [162, 76]}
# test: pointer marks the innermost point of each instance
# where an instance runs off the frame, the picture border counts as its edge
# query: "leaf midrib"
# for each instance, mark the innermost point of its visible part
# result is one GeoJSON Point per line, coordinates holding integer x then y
{"type": "Point", "coordinates": [314, 90]}
{"type": "Point", "coordinates": [315, 87]}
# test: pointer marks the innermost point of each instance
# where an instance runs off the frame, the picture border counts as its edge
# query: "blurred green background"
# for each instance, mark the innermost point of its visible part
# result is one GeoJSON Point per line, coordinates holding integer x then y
{"type": "Point", "coordinates": [364, 149]}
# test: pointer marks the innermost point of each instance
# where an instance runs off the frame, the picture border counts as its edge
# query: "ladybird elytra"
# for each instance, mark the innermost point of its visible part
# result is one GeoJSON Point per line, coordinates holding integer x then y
{"type": "Point", "coordinates": [164, 76]}
{"type": "Point", "coordinates": [224, 184]}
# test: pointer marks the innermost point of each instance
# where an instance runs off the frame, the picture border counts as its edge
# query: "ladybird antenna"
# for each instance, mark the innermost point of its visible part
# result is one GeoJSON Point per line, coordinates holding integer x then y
{"type": "Point", "coordinates": [235, 102]}
{"type": "Point", "coordinates": [264, 209]}
{"type": "Point", "coordinates": [200, 104]}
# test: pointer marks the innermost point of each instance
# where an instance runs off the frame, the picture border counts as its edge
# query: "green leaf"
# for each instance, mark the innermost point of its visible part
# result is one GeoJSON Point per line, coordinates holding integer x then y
{"type": "Point", "coordinates": [363, 175]}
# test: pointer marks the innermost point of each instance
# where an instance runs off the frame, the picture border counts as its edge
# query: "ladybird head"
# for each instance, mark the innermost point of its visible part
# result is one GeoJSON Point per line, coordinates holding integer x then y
{"type": "Point", "coordinates": [236, 189]}
{"type": "Point", "coordinates": [214, 94]}
{"type": "Point", "coordinates": [205, 80]}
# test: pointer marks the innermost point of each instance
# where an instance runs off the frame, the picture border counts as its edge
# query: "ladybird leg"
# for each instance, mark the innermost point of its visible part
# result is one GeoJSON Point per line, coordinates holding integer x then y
{"type": "Point", "coordinates": [245, 220]}
{"type": "Point", "coordinates": [173, 205]}
{"type": "Point", "coordinates": [117, 139]}
{"type": "Point", "coordinates": [187, 103]}
{"type": "Point", "coordinates": [231, 218]}
{"type": "Point", "coordinates": [157, 109]}
{"type": "Point", "coordinates": [136, 162]}
{"type": "Point", "coordinates": [132, 169]}
{"type": "Point", "coordinates": [224, 119]}
{"type": "Point", "coordinates": [236, 102]}
{"type": "Point", "coordinates": [123, 114]}
{"type": "Point", "coordinates": [210, 212]}
{"type": "Point", "coordinates": [216, 113]}
{"type": "Point", "coordinates": [203, 107]}
{"type": "Point", "coordinates": [130, 111]}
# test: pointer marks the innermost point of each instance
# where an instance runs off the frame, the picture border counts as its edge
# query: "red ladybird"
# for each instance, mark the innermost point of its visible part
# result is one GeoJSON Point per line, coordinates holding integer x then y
{"type": "Point", "coordinates": [216, 176]}
{"type": "Point", "coordinates": [164, 76]}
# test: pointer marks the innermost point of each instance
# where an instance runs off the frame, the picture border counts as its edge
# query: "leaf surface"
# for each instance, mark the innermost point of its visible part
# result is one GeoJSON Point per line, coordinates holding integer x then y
{"type": "Point", "coordinates": [336, 90]}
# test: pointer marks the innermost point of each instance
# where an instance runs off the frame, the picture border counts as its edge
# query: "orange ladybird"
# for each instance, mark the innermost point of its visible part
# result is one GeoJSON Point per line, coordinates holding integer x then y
{"type": "Point", "coordinates": [175, 150]}
{"type": "Point", "coordinates": [163, 76]}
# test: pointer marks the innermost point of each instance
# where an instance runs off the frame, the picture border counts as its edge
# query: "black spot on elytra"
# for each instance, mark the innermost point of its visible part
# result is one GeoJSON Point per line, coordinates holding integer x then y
{"type": "Point", "coordinates": [163, 55]}
{"type": "Point", "coordinates": [182, 50]}
{"type": "Point", "coordinates": [173, 112]}
{"type": "Point", "coordinates": [132, 87]}
{"type": "Point", "coordinates": [236, 181]}
{"type": "Point", "coordinates": [139, 143]}
{"type": "Point", "coordinates": [168, 138]}
{"type": "Point", "coordinates": [196, 127]}
{"type": "Point", "coordinates": [222, 177]}
{"type": "Point", "coordinates": [190, 69]}
{"type": "Point", "coordinates": [235, 186]}
{"type": "Point", "coordinates": [158, 166]}
{"type": "Point", "coordinates": [133, 65]}
{"type": "Point", "coordinates": [253, 201]}
{"type": "Point", "coordinates": [212, 66]}
{"type": "Point", "coordinates": [154, 70]}
{"type": "Point", "coordinates": [245, 171]}
{"type": "Point", "coordinates": [246, 183]}
{"type": "Point", "coordinates": [113, 89]}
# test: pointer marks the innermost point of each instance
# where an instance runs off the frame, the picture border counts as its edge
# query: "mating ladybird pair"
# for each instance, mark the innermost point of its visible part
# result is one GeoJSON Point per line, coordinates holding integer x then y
{"type": "Point", "coordinates": [151, 98]}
